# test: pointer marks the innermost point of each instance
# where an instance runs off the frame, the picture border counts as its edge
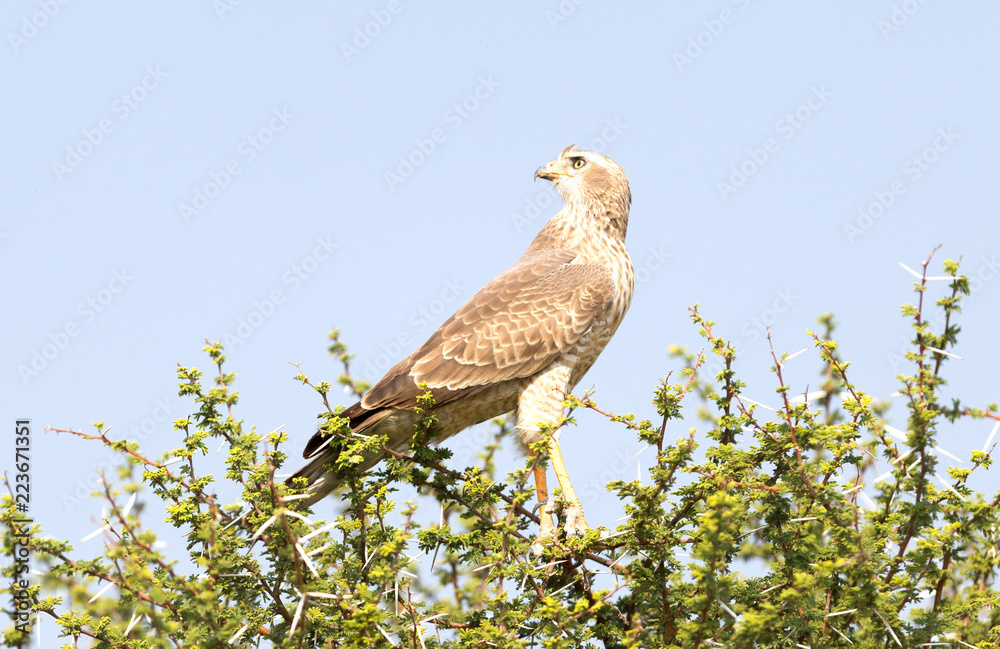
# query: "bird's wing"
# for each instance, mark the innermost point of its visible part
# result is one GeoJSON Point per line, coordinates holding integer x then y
{"type": "Point", "coordinates": [514, 327]}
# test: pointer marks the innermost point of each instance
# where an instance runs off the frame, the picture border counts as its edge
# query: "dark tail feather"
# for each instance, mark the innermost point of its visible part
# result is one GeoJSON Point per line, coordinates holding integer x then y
{"type": "Point", "coordinates": [321, 481]}
{"type": "Point", "coordinates": [320, 452]}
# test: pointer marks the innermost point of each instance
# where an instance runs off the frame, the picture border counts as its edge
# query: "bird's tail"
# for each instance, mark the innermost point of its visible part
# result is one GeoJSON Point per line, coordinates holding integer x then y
{"type": "Point", "coordinates": [322, 451]}
{"type": "Point", "coordinates": [323, 480]}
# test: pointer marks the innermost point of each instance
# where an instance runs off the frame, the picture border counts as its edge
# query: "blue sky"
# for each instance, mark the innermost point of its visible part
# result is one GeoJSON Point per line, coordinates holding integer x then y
{"type": "Point", "coordinates": [257, 174]}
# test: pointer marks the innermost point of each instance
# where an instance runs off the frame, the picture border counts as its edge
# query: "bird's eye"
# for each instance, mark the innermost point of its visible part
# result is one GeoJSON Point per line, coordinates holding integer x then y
{"type": "Point", "coordinates": [579, 163]}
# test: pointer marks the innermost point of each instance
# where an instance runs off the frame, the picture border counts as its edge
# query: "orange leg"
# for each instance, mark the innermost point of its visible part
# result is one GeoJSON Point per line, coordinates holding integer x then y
{"type": "Point", "coordinates": [546, 529]}
{"type": "Point", "coordinates": [576, 524]}
{"type": "Point", "coordinates": [541, 485]}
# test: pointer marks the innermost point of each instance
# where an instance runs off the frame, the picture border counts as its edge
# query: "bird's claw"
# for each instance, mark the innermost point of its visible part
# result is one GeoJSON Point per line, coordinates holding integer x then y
{"type": "Point", "coordinates": [546, 532]}
{"type": "Point", "coordinates": [575, 526]}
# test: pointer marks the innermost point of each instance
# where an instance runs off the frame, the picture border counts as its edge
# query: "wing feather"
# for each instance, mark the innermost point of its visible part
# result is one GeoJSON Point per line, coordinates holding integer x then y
{"type": "Point", "coordinates": [513, 328]}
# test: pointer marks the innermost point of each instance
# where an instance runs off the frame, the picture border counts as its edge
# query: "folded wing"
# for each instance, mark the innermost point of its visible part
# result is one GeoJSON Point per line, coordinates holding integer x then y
{"type": "Point", "coordinates": [513, 328]}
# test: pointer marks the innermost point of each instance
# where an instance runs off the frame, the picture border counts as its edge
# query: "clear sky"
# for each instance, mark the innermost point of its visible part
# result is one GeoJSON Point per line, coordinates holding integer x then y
{"type": "Point", "coordinates": [259, 172]}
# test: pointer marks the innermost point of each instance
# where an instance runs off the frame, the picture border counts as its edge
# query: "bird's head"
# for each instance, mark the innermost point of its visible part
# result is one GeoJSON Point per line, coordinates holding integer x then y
{"type": "Point", "coordinates": [589, 181]}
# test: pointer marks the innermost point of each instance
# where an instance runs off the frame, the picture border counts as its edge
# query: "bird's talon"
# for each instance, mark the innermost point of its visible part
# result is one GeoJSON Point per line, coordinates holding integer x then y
{"type": "Point", "coordinates": [576, 525]}
{"type": "Point", "coordinates": [546, 532]}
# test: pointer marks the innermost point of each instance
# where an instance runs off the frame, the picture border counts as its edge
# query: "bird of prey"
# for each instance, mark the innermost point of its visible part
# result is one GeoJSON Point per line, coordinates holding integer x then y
{"type": "Point", "coordinates": [521, 342]}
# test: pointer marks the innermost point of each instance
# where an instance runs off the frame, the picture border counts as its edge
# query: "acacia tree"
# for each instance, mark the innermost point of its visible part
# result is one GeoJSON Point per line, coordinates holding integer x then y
{"type": "Point", "coordinates": [843, 558]}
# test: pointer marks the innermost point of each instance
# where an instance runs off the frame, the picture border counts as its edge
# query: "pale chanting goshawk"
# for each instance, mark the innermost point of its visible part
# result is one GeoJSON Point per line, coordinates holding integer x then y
{"type": "Point", "coordinates": [522, 342]}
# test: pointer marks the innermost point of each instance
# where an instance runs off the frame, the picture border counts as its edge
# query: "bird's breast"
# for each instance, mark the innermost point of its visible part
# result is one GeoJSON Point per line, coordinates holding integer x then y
{"type": "Point", "coordinates": [613, 255]}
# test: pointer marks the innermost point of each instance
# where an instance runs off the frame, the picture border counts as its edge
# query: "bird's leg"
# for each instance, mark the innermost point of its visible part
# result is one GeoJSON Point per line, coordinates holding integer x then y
{"type": "Point", "coordinates": [546, 529]}
{"type": "Point", "coordinates": [576, 524]}
{"type": "Point", "coordinates": [539, 412]}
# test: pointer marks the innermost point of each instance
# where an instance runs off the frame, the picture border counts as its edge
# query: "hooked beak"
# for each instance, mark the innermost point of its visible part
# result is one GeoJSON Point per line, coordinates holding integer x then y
{"type": "Point", "coordinates": [545, 172]}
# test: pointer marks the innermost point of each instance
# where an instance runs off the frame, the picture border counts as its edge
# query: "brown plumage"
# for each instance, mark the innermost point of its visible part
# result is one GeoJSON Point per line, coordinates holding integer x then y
{"type": "Point", "coordinates": [524, 339]}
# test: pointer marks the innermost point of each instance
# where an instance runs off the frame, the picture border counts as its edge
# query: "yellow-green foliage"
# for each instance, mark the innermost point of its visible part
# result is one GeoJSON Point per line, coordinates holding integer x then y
{"type": "Point", "coordinates": [779, 492]}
